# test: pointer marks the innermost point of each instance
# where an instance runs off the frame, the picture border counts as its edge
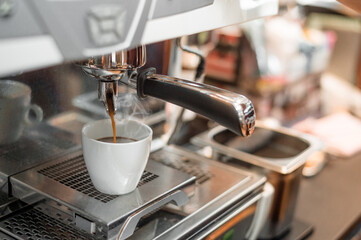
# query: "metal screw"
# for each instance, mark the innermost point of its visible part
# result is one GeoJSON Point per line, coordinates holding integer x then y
{"type": "Point", "coordinates": [6, 7]}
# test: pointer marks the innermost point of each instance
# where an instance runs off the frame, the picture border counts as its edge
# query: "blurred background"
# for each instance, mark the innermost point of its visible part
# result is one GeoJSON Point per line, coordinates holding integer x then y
{"type": "Point", "coordinates": [302, 70]}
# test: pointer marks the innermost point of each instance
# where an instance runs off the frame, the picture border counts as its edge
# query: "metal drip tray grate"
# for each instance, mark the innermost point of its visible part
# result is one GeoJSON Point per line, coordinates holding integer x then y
{"type": "Point", "coordinates": [66, 181]}
{"type": "Point", "coordinates": [74, 174]}
{"type": "Point", "coordinates": [34, 225]}
{"type": "Point", "coordinates": [36, 146]}
{"type": "Point", "coordinates": [183, 164]}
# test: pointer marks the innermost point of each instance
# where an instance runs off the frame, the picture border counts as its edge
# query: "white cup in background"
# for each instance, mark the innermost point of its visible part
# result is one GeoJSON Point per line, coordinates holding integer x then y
{"type": "Point", "coordinates": [116, 168]}
{"type": "Point", "coordinates": [15, 108]}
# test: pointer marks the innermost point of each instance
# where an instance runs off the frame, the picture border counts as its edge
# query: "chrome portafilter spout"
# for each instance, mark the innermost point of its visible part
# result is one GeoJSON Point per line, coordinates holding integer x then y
{"type": "Point", "coordinates": [232, 110]}
{"type": "Point", "coordinates": [108, 91]}
{"type": "Point", "coordinates": [111, 68]}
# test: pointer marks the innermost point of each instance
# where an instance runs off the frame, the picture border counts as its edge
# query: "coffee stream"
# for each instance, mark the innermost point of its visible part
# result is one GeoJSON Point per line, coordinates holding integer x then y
{"type": "Point", "coordinates": [111, 111]}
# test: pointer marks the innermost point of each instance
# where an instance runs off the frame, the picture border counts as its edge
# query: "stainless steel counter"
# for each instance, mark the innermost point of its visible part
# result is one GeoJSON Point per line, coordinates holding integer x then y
{"type": "Point", "coordinates": [331, 201]}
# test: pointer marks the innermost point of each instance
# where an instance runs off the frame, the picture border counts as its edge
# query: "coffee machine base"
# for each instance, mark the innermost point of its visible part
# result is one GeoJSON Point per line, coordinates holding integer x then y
{"type": "Point", "coordinates": [56, 197]}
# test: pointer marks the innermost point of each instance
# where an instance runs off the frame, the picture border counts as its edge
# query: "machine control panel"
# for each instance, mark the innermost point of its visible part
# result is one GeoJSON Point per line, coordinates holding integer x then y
{"type": "Point", "coordinates": [88, 28]}
{"type": "Point", "coordinates": [107, 24]}
{"type": "Point", "coordinates": [6, 7]}
{"type": "Point", "coordinates": [41, 33]}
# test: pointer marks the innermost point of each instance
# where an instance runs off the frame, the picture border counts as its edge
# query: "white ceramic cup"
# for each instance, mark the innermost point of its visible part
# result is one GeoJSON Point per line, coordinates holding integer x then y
{"type": "Point", "coordinates": [116, 168]}
{"type": "Point", "coordinates": [15, 108]}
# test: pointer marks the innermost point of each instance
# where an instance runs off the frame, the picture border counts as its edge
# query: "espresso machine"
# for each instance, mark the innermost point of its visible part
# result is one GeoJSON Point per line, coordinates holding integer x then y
{"type": "Point", "coordinates": [46, 192]}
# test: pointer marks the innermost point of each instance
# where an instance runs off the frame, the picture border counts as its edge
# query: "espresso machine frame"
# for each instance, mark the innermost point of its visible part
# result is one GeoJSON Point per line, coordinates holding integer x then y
{"type": "Point", "coordinates": [45, 188]}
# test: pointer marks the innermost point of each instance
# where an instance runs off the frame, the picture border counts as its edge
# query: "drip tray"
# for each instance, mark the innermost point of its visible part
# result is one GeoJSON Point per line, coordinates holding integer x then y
{"type": "Point", "coordinates": [66, 181]}
{"type": "Point", "coordinates": [278, 149]}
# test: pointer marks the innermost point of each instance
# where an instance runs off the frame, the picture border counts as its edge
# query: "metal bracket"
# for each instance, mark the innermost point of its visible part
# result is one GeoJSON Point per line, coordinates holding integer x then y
{"type": "Point", "coordinates": [178, 197]}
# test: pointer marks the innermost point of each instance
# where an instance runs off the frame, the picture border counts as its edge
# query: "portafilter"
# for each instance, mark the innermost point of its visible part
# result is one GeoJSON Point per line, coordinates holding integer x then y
{"type": "Point", "coordinates": [232, 110]}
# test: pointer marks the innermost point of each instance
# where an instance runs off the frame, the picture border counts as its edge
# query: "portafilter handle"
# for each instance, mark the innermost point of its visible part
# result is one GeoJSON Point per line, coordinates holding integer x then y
{"type": "Point", "coordinates": [232, 110]}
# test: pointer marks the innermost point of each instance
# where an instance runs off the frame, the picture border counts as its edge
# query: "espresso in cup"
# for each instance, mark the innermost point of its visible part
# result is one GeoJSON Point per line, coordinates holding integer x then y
{"type": "Point", "coordinates": [117, 139]}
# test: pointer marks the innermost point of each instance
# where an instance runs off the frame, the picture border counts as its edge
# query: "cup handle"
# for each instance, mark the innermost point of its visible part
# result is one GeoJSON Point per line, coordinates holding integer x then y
{"type": "Point", "coordinates": [38, 115]}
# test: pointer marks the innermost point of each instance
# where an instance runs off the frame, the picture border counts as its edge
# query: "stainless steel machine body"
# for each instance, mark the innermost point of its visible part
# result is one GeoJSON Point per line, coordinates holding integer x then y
{"type": "Point", "coordinates": [40, 33]}
{"type": "Point", "coordinates": [102, 31]}
{"type": "Point", "coordinates": [67, 181]}
{"type": "Point", "coordinates": [47, 193]}
{"type": "Point", "coordinates": [56, 198]}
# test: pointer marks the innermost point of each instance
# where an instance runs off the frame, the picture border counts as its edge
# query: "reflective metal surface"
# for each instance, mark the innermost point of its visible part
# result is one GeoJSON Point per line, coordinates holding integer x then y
{"type": "Point", "coordinates": [227, 108]}
{"type": "Point", "coordinates": [37, 145]}
{"type": "Point", "coordinates": [277, 152]}
{"type": "Point", "coordinates": [213, 178]}
{"type": "Point", "coordinates": [225, 187]}
{"type": "Point", "coordinates": [106, 87]}
{"type": "Point", "coordinates": [110, 68]}
{"type": "Point", "coordinates": [281, 215]}
{"type": "Point", "coordinates": [232, 110]}
{"type": "Point", "coordinates": [109, 213]}
{"type": "Point", "coordinates": [66, 181]}
{"type": "Point", "coordinates": [61, 184]}
{"type": "Point", "coordinates": [280, 150]}
{"type": "Point", "coordinates": [113, 66]}
{"type": "Point", "coordinates": [177, 197]}
{"type": "Point", "coordinates": [8, 205]}
{"type": "Point", "coordinates": [42, 222]}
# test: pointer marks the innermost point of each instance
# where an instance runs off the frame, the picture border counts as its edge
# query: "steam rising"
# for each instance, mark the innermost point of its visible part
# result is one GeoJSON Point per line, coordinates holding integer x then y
{"type": "Point", "coordinates": [130, 107]}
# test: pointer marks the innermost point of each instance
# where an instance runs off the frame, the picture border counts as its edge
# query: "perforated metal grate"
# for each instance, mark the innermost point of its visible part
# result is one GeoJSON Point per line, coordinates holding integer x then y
{"type": "Point", "coordinates": [146, 177]}
{"type": "Point", "coordinates": [193, 169]}
{"type": "Point", "coordinates": [35, 225]}
{"type": "Point", "coordinates": [73, 173]}
{"type": "Point", "coordinates": [183, 164]}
